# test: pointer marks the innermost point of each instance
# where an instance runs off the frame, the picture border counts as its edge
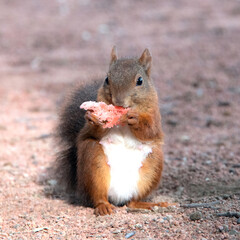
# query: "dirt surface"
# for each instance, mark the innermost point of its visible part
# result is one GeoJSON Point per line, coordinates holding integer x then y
{"type": "Point", "coordinates": [45, 46]}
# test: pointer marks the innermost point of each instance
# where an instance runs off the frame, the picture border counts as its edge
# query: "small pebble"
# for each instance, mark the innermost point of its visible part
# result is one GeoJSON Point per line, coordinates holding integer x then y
{"type": "Point", "coordinates": [138, 226]}
{"type": "Point", "coordinates": [223, 228]}
{"type": "Point", "coordinates": [233, 232]}
{"type": "Point", "coordinates": [220, 228]}
{"type": "Point", "coordinates": [103, 28]}
{"type": "Point", "coordinates": [232, 171]}
{"type": "Point", "coordinates": [238, 221]}
{"type": "Point", "coordinates": [86, 36]}
{"type": "Point", "coordinates": [236, 165]}
{"type": "Point", "coordinates": [167, 218]}
{"type": "Point", "coordinates": [16, 226]}
{"type": "Point", "coordinates": [200, 92]}
{"type": "Point", "coordinates": [52, 182]}
{"type": "Point", "coordinates": [128, 235]}
{"type": "Point", "coordinates": [44, 136]}
{"type": "Point", "coordinates": [208, 162]}
{"type": "Point", "coordinates": [40, 229]}
{"type": "Point", "coordinates": [196, 216]}
{"type": "Point", "coordinates": [185, 139]}
{"type": "Point", "coordinates": [116, 231]}
{"type": "Point", "coordinates": [213, 122]}
{"type": "Point", "coordinates": [155, 208]}
{"type": "Point", "coordinates": [172, 122]}
{"type": "Point", "coordinates": [224, 103]}
{"type": "Point", "coordinates": [226, 196]}
{"type": "Point", "coordinates": [35, 63]}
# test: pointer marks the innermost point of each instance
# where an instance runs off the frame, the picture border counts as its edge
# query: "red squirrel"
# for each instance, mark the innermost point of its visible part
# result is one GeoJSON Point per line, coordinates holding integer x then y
{"type": "Point", "coordinates": [120, 165]}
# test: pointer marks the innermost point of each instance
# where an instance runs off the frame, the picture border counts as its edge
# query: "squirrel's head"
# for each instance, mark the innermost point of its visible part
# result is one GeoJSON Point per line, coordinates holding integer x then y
{"type": "Point", "coordinates": [128, 82]}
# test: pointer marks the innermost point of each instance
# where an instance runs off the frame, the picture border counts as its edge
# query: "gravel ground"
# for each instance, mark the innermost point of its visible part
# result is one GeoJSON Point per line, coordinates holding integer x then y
{"type": "Point", "coordinates": [46, 46]}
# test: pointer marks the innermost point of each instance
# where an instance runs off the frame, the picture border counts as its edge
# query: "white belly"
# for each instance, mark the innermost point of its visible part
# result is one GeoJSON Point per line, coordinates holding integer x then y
{"type": "Point", "coordinates": [125, 156]}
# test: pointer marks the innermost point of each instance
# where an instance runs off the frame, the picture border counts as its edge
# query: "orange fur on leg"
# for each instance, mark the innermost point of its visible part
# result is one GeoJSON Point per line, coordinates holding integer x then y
{"type": "Point", "coordinates": [150, 172]}
{"type": "Point", "coordinates": [94, 175]}
{"type": "Point", "coordinates": [149, 205]}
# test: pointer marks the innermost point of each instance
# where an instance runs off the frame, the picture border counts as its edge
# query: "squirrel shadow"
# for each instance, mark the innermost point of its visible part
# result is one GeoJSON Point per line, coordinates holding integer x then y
{"type": "Point", "coordinates": [54, 189]}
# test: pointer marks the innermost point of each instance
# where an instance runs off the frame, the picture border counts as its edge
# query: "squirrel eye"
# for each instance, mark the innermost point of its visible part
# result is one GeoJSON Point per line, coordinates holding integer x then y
{"type": "Point", "coordinates": [139, 81]}
{"type": "Point", "coordinates": [106, 81]}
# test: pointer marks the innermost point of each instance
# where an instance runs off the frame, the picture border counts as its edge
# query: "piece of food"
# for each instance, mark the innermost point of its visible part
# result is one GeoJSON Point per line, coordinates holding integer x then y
{"type": "Point", "coordinates": [109, 115]}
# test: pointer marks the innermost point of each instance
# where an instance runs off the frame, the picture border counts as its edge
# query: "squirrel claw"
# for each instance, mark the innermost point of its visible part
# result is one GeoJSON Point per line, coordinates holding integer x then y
{"type": "Point", "coordinates": [92, 119]}
{"type": "Point", "coordinates": [104, 209]}
{"type": "Point", "coordinates": [132, 117]}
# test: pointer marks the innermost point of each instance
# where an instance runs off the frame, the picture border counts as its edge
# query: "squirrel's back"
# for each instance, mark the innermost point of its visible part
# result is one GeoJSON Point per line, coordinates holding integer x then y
{"type": "Point", "coordinates": [71, 121]}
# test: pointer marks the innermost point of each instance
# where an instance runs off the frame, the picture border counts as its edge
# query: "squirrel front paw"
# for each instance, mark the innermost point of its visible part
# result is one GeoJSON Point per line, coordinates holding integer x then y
{"type": "Point", "coordinates": [92, 119]}
{"type": "Point", "coordinates": [104, 209]}
{"type": "Point", "coordinates": [132, 118]}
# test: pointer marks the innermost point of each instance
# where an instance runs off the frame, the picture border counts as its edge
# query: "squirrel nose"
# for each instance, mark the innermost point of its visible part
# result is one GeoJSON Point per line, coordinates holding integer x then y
{"type": "Point", "coordinates": [118, 102]}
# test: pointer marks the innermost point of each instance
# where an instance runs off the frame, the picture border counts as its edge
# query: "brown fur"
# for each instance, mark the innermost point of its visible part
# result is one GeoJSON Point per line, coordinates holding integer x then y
{"type": "Point", "coordinates": [92, 173]}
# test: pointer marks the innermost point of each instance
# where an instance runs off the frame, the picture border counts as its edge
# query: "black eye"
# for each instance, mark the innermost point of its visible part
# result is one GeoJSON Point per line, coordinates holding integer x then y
{"type": "Point", "coordinates": [106, 81]}
{"type": "Point", "coordinates": [139, 81]}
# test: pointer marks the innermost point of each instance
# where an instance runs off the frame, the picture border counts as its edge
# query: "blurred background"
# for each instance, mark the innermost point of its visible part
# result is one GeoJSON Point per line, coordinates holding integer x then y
{"type": "Point", "coordinates": [46, 46]}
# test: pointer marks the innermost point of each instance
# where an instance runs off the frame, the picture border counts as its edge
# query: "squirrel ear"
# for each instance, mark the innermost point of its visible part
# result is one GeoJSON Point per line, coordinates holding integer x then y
{"type": "Point", "coordinates": [113, 55]}
{"type": "Point", "coordinates": [146, 61]}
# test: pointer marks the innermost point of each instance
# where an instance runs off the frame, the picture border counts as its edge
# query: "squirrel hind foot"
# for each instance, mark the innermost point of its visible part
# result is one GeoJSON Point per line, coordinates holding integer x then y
{"type": "Point", "coordinates": [149, 205]}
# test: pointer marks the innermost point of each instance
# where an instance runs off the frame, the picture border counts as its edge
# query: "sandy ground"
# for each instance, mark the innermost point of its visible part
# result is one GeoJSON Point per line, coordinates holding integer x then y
{"type": "Point", "coordinates": [46, 46]}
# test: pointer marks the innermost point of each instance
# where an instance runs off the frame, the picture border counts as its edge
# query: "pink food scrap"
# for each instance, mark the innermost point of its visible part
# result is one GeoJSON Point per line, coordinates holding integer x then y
{"type": "Point", "coordinates": [108, 114]}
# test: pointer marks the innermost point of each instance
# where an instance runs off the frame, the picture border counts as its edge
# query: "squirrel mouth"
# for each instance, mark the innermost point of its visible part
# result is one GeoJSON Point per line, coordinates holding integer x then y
{"type": "Point", "coordinates": [121, 105]}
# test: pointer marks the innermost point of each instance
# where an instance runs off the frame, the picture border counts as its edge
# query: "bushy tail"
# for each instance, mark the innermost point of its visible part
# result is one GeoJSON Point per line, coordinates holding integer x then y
{"type": "Point", "coordinates": [71, 121]}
